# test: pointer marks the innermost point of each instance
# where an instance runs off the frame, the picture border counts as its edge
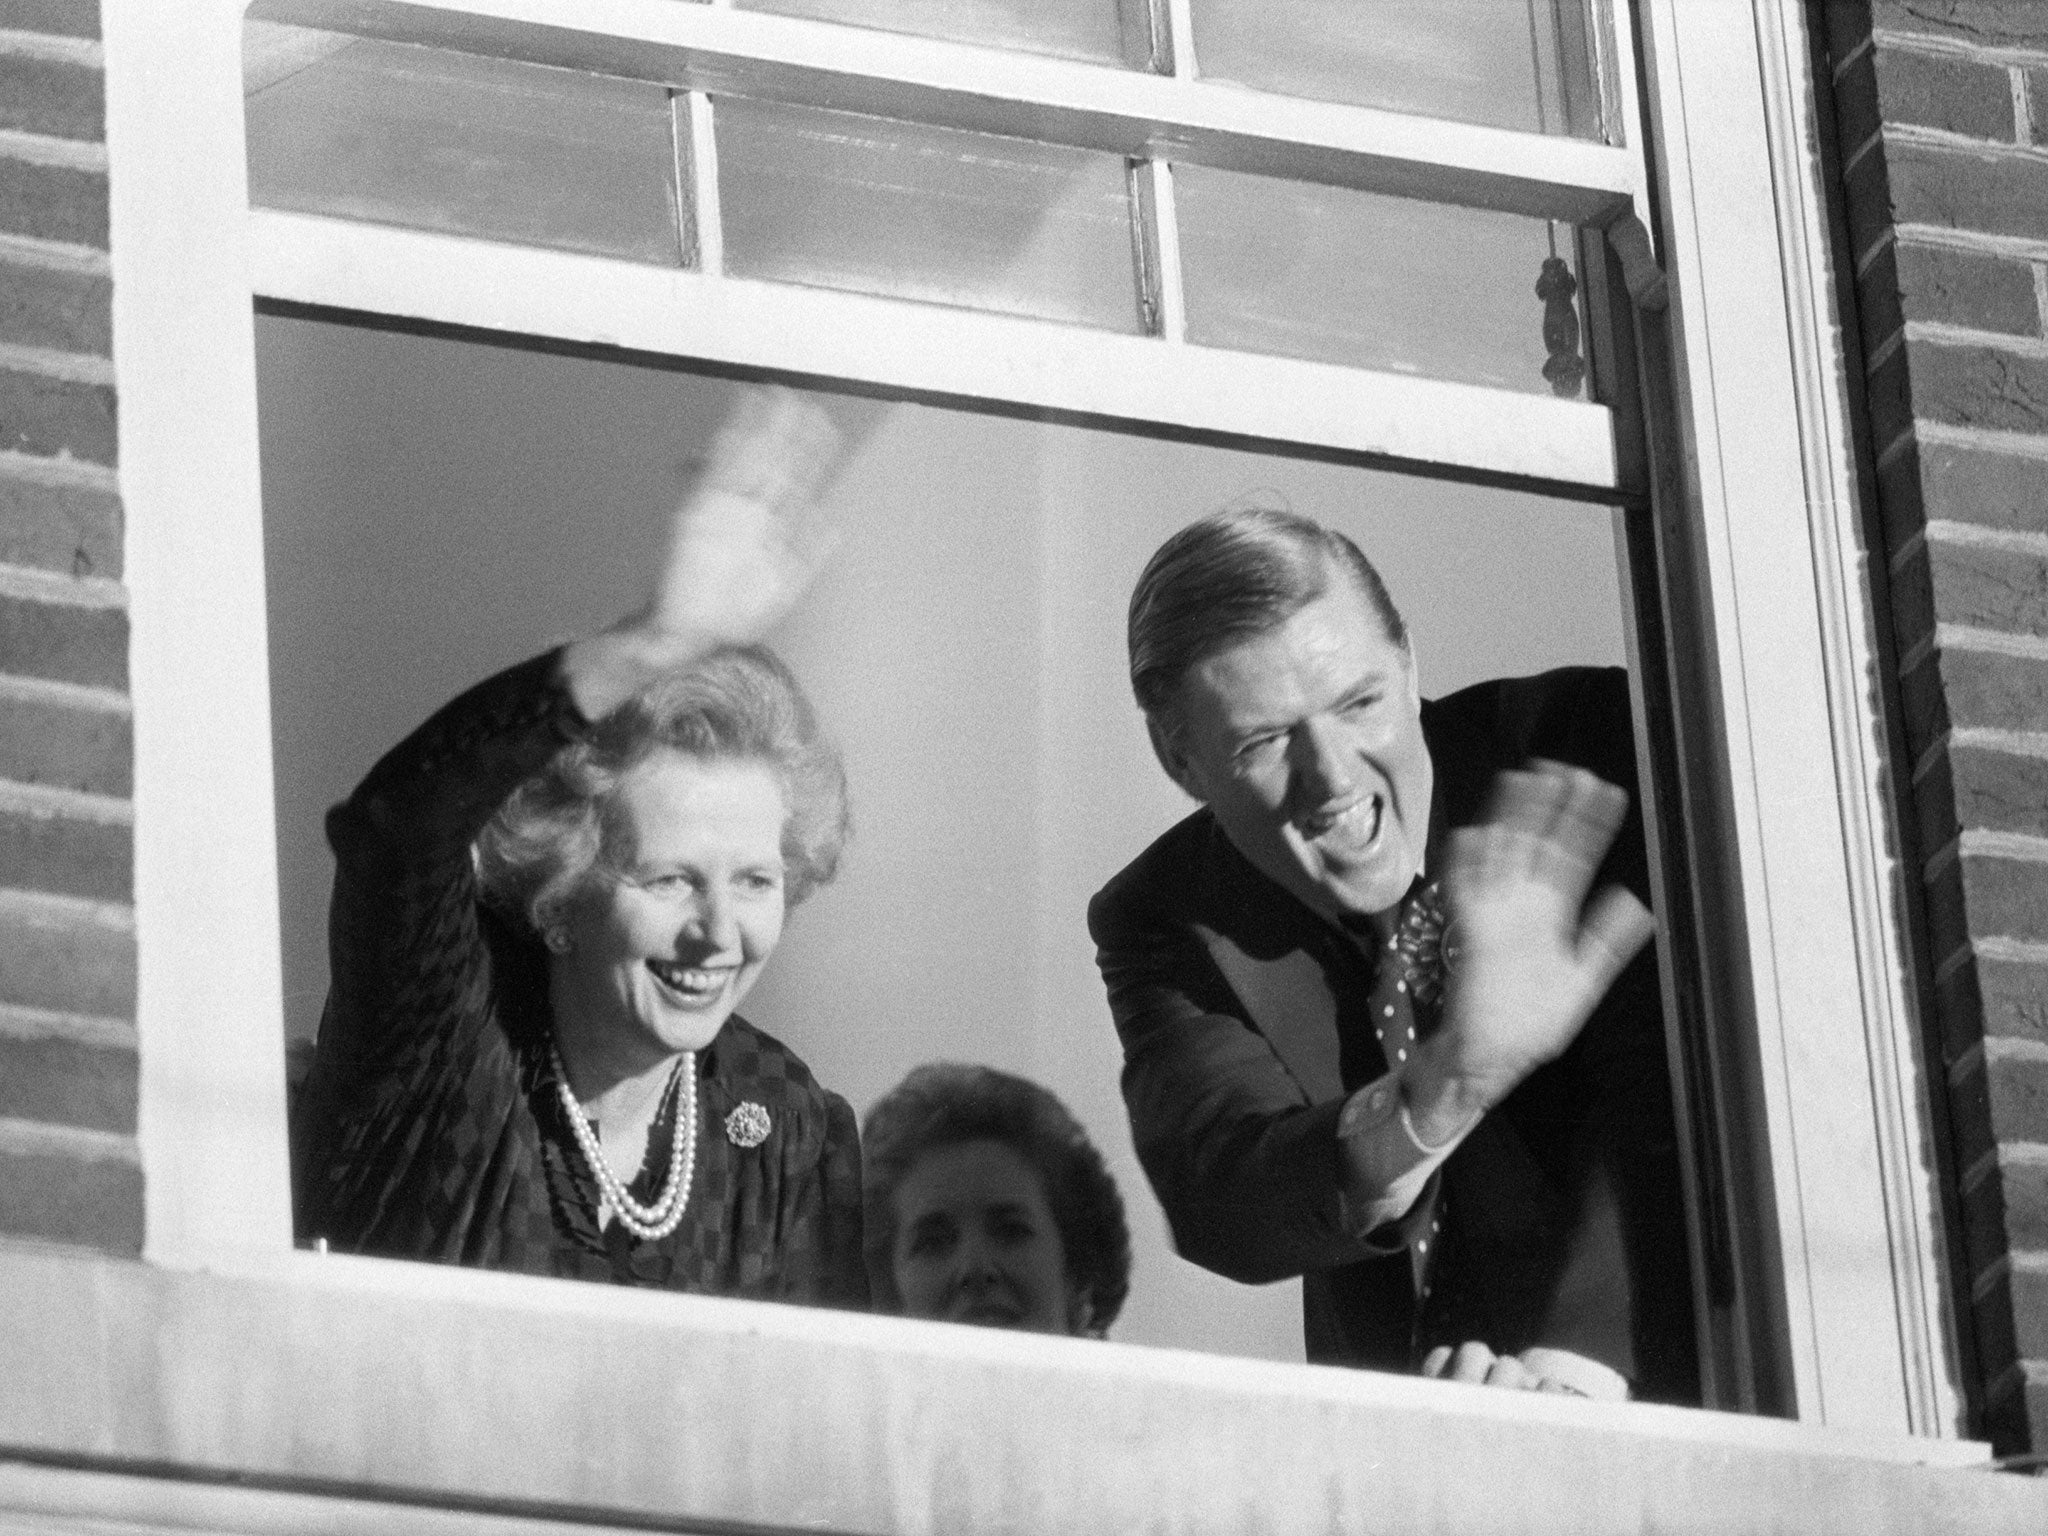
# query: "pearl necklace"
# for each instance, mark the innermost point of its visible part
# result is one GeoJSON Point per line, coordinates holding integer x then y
{"type": "Point", "coordinates": [649, 1223]}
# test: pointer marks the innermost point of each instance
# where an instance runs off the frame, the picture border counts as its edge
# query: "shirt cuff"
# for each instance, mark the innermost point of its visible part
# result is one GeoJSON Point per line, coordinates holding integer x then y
{"type": "Point", "coordinates": [1577, 1373]}
{"type": "Point", "coordinates": [1387, 1165]}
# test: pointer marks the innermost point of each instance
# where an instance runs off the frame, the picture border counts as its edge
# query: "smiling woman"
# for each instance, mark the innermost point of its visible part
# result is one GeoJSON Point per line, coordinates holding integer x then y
{"type": "Point", "coordinates": [550, 899]}
{"type": "Point", "coordinates": [987, 1203]}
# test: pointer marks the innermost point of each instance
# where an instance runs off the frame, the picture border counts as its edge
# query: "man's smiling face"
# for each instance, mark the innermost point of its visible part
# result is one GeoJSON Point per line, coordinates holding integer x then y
{"type": "Point", "coordinates": [1306, 744]}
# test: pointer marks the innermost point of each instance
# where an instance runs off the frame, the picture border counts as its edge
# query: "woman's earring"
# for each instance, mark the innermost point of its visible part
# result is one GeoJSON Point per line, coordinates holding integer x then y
{"type": "Point", "coordinates": [557, 940]}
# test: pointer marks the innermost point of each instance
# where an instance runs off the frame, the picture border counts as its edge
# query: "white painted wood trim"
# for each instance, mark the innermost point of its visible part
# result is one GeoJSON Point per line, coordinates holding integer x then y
{"type": "Point", "coordinates": [1901, 1085]}
{"type": "Point", "coordinates": [926, 347]}
{"type": "Point", "coordinates": [1126, 112]}
{"type": "Point", "coordinates": [1765, 401]}
{"type": "Point", "coordinates": [1162, 215]}
{"type": "Point", "coordinates": [209, 1002]}
{"type": "Point", "coordinates": [506, 1394]}
{"type": "Point", "coordinates": [707, 216]}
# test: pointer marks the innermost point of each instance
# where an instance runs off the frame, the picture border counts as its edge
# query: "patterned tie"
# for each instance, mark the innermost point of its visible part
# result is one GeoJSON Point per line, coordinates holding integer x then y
{"type": "Point", "coordinates": [1408, 989]}
{"type": "Point", "coordinates": [1420, 941]}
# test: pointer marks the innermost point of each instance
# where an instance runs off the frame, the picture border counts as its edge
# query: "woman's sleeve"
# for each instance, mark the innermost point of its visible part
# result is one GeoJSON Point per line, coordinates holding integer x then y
{"type": "Point", "coordinates": [403, 927]}
{"type": "Point", "coordinates": [824, 1263]}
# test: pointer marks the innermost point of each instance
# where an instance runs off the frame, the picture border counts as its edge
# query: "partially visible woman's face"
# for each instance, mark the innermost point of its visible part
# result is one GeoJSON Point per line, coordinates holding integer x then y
{"type": "Point", "coordinates": [664, 950]}
{"type": "Point", "coordinates": [976, 1242]}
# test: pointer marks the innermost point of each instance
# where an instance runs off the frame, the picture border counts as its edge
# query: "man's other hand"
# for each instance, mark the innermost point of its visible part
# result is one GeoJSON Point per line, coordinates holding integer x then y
{"type": "Point", "coordinates": [1541, 1369]}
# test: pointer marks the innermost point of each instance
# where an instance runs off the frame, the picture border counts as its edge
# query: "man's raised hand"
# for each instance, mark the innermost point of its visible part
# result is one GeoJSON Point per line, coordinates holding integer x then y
{"type": "Point", "coordinates": [1534, 958]}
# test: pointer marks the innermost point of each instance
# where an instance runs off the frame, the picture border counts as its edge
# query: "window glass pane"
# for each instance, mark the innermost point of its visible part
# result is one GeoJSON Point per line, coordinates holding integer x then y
{"type": "Point", "coordinates": [1072, 29]}
{"type": "Point", "coordinates": [1377, 282]}
{"type": "Point", "coordinates": [435, 510]}
{"type": "Point", "coordinates": [402, 134]}
{"type": "Point", "coordinates": [840, 200]}
{"type": "Point", "coordinates": [1507, 63]}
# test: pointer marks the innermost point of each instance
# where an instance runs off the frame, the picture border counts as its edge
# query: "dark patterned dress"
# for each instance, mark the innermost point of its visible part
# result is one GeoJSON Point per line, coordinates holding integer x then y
{"type": "Point", "coordinates": [429, 1126]}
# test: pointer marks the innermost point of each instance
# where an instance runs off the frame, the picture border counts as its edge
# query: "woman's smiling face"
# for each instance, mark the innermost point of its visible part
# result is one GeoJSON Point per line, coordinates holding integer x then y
{"type": "Point", "coordinates": [976, 1242]}
{"type": "Point", "coordinates": [662, 949]}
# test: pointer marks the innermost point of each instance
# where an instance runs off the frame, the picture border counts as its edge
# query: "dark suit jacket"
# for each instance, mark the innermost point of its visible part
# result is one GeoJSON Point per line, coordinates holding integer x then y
{"type": "Point", "coordinates": [1242, 1019]}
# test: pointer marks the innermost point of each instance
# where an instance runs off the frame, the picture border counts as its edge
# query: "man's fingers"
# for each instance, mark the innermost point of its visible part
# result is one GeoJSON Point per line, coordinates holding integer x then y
{"type": "Point", "coordinates": [1617, 925]}
{"type": "Point", "coordinates": [1507, 1371]}
{"type": "Point", "coordinates": [1588, 811]}
{"type": "Point", "coordinates": [1477, 1364]}
{"type": "Point", "coordinates": [1471, 1361]}
{"type": "Point", "coordinates": [1548, 820]}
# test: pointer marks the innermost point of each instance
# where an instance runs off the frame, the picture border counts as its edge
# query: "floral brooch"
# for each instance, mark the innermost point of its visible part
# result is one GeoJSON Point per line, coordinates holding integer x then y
{"type": "Point", "coordinates": [748, 1125]}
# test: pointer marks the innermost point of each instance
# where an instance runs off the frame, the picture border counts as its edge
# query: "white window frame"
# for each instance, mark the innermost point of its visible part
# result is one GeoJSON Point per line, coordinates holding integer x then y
{"type": "Point", "coordinates": [1770, 491]}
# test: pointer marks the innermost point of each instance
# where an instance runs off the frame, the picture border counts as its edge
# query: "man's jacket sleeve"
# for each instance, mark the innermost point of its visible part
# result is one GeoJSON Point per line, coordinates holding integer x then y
{"type": "Point", "coordinates": [1246, 1168]}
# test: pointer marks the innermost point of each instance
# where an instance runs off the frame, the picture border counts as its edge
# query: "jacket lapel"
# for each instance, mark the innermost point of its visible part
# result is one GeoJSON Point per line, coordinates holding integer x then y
{"type": "Point", "coordinates": [1269, 947]}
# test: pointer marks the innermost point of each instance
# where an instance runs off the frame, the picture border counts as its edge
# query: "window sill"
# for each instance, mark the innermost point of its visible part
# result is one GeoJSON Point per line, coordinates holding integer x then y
{"type": "Point", "coordinates": [349, 1382]}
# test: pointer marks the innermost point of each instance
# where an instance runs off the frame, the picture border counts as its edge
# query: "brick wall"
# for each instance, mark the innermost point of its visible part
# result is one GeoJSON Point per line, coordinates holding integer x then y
{"type": "Point", "coordinates": [68, 1166]}
{"type": "Point", "coordinates": [1941, 108]}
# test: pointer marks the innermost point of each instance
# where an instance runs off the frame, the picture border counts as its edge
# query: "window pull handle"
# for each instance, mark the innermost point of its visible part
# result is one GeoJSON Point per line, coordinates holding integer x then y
{"type": "Point", "coordinates": [1639, 269]}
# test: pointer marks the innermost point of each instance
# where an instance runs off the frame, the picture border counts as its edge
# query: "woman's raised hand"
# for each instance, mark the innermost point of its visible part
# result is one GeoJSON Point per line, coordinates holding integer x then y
{"type": "Point", "coordinates": [745, 543]}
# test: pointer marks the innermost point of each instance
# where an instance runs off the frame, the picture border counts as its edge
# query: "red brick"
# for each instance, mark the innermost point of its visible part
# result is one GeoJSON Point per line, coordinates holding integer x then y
{"type": "Point", "coordinates": [1992, 23]}
{"type": "Point", "coordinates": [1984, 896]}
{"type": "Point", "coordinates": [1857, 114]}
{"type": "Point", "coordinates": [1988, 997]}
{"type": "Point", "coordinates": [64, 642]}
{"type": "Point", "coordinates": [1888, 395]}
{"type": "Point", "coordinates": [1998, 791]}
{"type": "Point", "coordinates": [65, 18]}
{"type": "Point", "coordinates": [53, 202]}
{"type": "Point", "coordinates": [1986, 587]}
{"type": "Point", "coordinates": [1948, 912]}
{"type": "Point", "coordinates": [1880, 309]}
{"type": "Point", "coordinates": [2013, 998]}
{"type": "Point", "coordinates": [2006, 898]}
{"type": "Point", "coordinates": [67, 1082]}
{"type": "Point", "coordinates": [1844, 25]}
{"type": "Point", "coordinates": [2029, 1305]}
{"type": "Point", "coordinates": [2019, 1097]}
{"type": "Point", "coordinates": [64, 311]}
{"type": "Point", "coordinates": [57, 527]}
{"type": "Point", "coordinates": [1972, 688]}
{"type": "Point", "coordinates": [1982, 190]}
{"type": "Point", "coordinates": [1996, 1330]}
{"type": "Point", "coordinates": [67, 855]}
{"type": "Point", "coordinates": [1901, 503]}
{"type": "Point", "coordinates": [56, 417]}
{"type": "Point", "coordinates": [88, 1202]}
{"type": "Point", "coordinates": [1957, 95]}
{"type": "Point", "coordinates": [1959, 288]}
{"type": "Point", "coordinates": [1969, 1101]}
{"type": "Point", "coordinates": [1934, 802]}
{"type": "Point", "coordinates": [1979, 386]}
{"type": "Point", "coordinates": [1868, 198]}
{"type": "Point", "coordinates": [1912, 600]}
{"type": "Point", "coordinates": [72, 963]}
{"type": "Point", "coordinates": [67, 101]}
{"type": "Point", "coordinates": [1998, 490]}
{"type": "Point", "coordinates": [66, 746]}
{"type": "Point", "coordinates": [1985, 1239]}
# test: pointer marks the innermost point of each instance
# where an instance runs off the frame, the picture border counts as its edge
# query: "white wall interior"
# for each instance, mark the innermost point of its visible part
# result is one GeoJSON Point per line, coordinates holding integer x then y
{"type": "Point", "coordinates": [437, 509]}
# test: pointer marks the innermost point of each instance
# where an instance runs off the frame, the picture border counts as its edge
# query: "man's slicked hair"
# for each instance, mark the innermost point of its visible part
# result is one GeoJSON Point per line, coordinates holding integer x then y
{"type": "Point", "coordinates": [1228, 577]}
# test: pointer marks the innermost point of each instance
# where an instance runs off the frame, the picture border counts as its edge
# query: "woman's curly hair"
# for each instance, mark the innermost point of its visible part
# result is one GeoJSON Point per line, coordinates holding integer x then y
{"type": "Point", "coordinates": [740, 704]}
{"type": "Point", "coordinates": [947, 1103]}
